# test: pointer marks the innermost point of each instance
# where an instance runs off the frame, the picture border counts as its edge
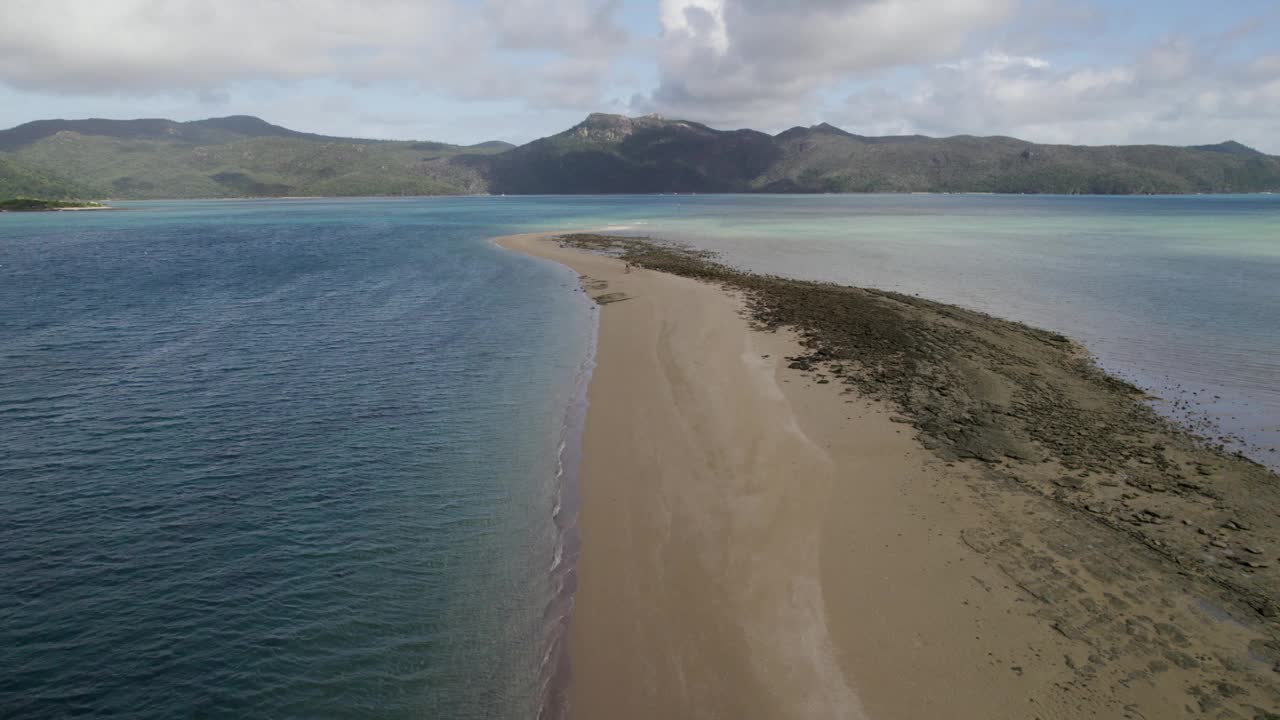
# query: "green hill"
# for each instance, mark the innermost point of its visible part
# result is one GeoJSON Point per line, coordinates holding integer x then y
{"type": "Point", "coordinates": [614, 154]}
{"type": "Point", "coordinates": [19, 180]}
{"type": "Point", "coordinates": [824, 159]}
{"type": "Point", "coordinates": [243, 156]}
{"type": "Point", "coordinates": [611, 153]}
{"type": "Point", "coordinates": [227, 157]}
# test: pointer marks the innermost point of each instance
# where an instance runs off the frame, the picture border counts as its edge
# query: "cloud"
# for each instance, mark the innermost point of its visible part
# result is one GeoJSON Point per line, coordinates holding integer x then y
{"type": "Point", "coordinates": [754, 60]}
{"type": "Point", "coordinates": [555, 26]}
{"type": "Point", "coordinates": [1037, 69]}
{"type": "Point", "coordinates": [145, 47]}
{"type": "Point", "coordinates": [1176, 92]}
{"type": "Point", "coordinates": [1048, 70]}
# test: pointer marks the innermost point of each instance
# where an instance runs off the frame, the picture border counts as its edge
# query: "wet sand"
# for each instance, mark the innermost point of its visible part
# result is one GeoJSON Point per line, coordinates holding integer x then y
{"type": "Point", "coordinates": [759, 541]}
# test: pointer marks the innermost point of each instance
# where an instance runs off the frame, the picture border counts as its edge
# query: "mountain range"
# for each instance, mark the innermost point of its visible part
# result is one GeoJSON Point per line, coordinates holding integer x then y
{"type": "Point", "coordinates": [241, 156]}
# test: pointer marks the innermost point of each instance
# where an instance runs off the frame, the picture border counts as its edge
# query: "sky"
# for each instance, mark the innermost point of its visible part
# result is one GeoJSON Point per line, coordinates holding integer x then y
{"type": "Point", "coordinates": [1085, 71]}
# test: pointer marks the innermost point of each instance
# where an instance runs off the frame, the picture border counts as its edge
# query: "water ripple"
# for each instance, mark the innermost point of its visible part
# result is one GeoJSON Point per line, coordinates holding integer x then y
{"type": "Point", "coordinates": [284, 468]}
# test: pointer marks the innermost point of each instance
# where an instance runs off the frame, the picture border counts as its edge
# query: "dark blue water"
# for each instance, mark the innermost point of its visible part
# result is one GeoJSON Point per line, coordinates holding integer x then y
{"type": "Point", "coordinates": [277, 463]}
{"type": "Point", "coordinates": [300, 458]}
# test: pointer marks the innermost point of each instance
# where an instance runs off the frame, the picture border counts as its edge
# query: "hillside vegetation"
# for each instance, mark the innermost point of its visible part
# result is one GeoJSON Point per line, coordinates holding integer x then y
{"type": "Point", "coordinates": [246, 157]}
{"type": "Point", "coordinates": [611, 153]}
{"type": "Point", "coordinates": [19, 180]}
{"type": "Point", "coordinates": [223, 157]}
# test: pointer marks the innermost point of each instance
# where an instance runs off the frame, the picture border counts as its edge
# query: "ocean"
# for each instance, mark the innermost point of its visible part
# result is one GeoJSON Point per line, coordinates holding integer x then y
{"type": "Point", "coordinates": [277, 459]}
{"type": "Point", "coordinates": [313, 458]}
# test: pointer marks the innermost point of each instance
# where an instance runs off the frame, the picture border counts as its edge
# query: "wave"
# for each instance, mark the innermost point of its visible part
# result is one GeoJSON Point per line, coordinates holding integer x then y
{"type": "Point", "coordinates": [555, 667]}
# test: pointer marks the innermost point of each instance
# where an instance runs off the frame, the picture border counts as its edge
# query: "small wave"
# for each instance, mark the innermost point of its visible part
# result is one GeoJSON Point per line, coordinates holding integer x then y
{"type": "Point", "coordinates": [557, 558]}
{"type": "Point", "coordinates": [554, 670]}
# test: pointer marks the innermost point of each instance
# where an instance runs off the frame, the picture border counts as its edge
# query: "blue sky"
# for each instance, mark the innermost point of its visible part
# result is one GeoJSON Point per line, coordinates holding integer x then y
{"type": "Point", "coordinates": [463, 71]}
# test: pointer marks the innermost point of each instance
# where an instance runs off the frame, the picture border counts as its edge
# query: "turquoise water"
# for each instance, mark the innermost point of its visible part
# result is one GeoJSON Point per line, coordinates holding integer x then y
{"type": "Point", "coordinates": [302, 458]}
{"type": "Point", "coordinates": [1178, 294]}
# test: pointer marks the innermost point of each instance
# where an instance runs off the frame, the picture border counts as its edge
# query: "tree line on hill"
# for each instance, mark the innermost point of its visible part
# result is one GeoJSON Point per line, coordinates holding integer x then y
{"type": "Point", "coordinates": [242, 156]}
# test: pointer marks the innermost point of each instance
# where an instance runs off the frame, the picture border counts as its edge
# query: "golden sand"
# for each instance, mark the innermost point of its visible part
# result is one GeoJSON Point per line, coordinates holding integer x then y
{"type": "Point", "coordinates": [757, 545]}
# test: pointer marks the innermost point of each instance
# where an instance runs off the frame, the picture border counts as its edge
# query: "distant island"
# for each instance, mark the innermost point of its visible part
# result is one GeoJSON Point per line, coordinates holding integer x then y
{"type": "Point", "coordinates": [33, 205]}
{"type": "Point", "coordinates": [243, 156]}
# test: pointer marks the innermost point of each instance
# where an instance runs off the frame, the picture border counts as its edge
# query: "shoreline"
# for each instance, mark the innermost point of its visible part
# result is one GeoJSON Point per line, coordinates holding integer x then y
{"type": "Point", "coordinates": [555, 670]}
{"type": "Point", "coordinates": [59, 209]}
{"type": "Point", "coordinates": [762, 536]}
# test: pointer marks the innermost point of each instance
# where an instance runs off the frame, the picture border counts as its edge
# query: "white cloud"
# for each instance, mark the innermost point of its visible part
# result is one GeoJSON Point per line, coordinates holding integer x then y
{"type": "Point", "coordinates": [140, 45]}
{"type": "Point", "coordinates": [754, 61]}
{"type": "Point", "coordinates": [699, 21]}
{"type": "Point", "coordinates": [566, 27]}
{"type": "Point", "coordinates": [1171, 93]}
{"type": "Point", "coordinates": [146, 47]}
{"type": "Point", "coordinates": [979, 67]}
{"type": "Point", "coordinates": [1042, 69]}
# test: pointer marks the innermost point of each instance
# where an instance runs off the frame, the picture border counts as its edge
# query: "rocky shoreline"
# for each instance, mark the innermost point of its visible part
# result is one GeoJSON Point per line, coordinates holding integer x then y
{"type": "Point", "coordinates": [18, 205]}
{"type": "Point", "coordinates": [1026, 408]}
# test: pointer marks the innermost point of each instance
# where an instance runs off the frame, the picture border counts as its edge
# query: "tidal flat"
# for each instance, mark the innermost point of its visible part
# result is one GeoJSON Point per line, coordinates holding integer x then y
{"type": "Point", "coordinates": [1130, 562]}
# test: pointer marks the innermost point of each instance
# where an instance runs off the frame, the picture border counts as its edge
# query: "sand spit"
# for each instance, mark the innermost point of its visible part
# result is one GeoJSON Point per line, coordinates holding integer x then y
{"type": "Point", "coordinates": [807, 500]}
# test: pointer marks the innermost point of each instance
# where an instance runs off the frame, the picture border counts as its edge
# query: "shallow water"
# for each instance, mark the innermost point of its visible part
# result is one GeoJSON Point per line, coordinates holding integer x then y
{"type": "Point", "coordinates": [299, 458]}
{"type": "Point", "coordinates": [1180, 295]}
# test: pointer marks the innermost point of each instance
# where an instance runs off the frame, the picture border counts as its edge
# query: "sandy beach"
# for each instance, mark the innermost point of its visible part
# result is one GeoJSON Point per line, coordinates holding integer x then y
{"type": "Point", "coordinates": [761, 542]}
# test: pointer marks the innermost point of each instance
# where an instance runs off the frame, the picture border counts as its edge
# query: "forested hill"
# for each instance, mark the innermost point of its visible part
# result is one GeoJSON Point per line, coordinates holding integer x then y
{"type": "Point", "coordinates": [611, 153]}
{"type": "Point", "coordinates": [236, 156]}
{"type": "Point", "coordinates": [246, 156]}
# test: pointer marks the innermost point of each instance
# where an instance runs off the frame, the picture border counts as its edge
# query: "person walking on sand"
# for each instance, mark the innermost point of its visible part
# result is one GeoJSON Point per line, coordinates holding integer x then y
{"type": "Point", "coordinates": [627, 270]}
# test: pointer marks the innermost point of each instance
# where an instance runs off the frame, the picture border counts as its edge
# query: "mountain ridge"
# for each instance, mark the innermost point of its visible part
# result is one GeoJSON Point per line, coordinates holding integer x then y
{"type": "Point", "coordinates": [241, 155]}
